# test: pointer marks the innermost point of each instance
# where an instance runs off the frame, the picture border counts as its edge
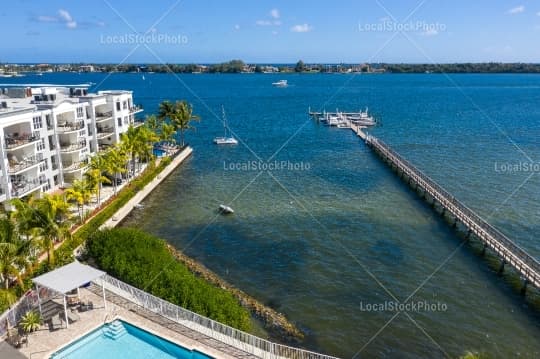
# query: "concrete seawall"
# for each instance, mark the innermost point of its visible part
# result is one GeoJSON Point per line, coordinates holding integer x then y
{"type": "Point", "coordinates": [141, 195]}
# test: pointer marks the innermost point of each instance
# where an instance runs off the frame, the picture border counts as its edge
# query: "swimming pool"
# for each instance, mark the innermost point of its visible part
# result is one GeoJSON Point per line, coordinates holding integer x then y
{"type": "Point", "coordinates": [120, 339]}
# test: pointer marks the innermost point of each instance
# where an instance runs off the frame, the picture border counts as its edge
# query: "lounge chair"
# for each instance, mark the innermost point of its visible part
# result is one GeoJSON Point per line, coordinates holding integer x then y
{"type": "Point", "coordinates": [72, 317]}
{"type": "Point", "coordinates": [56, 323]}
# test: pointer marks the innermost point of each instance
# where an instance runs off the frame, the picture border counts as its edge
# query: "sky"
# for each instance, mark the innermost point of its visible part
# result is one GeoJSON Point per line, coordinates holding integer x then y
{"type": "Point", "coordinates": [260, 31]}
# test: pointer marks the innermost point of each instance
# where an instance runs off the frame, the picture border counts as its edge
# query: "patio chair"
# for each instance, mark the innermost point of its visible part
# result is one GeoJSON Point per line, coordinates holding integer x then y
{"type": "Point", "coordinates": [56, 323]}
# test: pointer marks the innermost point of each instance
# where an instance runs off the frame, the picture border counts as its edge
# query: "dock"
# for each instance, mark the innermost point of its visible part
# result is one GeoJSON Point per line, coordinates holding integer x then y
{"type": "Point", "coordinates": [491, 238]}
{"type": "Point", "coordinates": [507, 250]}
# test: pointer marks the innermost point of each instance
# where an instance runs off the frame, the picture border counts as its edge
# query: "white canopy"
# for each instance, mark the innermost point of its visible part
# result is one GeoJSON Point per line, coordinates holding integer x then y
{"type": "Point", "coordinates": [69, 277]}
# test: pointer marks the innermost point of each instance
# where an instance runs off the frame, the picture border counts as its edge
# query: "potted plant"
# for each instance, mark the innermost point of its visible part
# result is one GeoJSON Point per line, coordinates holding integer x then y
{"type": "Point", "coordinates": [30, 322]}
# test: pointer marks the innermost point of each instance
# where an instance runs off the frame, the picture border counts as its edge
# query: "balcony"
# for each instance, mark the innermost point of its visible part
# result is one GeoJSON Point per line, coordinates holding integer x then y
{"type": "Point", "coordinates": [105, 116]}
{"type": "Point", "coordinates": [135, 109]}
{"type": "Point", "coordinates": [15, 141]}
{"type": "Point", "coordinates": [138, 122]}
{"type": "Point", "coordinates": [74, 167]}
{"type": "Point", "coordinates": [104, 131]}
{"type": "Point", "coordinates": [67, 127]}
{"type": "Point", "coordinates": [16, 166]}
{"type": "Point", "coordinates": [23, 186]}
{"type": "Point", "coordinates": [72, 147]}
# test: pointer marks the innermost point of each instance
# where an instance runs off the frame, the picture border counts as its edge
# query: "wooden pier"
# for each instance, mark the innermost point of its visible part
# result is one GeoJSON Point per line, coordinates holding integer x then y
{"type": "Point", "coordinates": [508, 251]}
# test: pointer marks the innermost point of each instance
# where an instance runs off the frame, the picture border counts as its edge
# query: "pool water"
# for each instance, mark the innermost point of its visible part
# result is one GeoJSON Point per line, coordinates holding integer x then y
{"type": "Point", "coordinates": [120, 339]}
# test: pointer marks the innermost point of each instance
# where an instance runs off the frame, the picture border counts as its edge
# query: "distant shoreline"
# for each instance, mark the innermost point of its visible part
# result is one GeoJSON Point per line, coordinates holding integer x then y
{"type": "Point", "coordinates": [240, 67]}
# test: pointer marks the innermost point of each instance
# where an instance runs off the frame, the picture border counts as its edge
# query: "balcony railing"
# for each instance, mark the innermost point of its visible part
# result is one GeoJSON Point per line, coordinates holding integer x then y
{"type": "Point", "coordinates": [135, 109]}
{"type": "Point", "coordinates": [103, 116]}
{"type": "Point", "coordinates": [71, 147]}
{"type": "Point", "coordinates": [74, 166]}
{"type": "Point", "coordinates": [21, 187]}
{"type": "Point", "coordinates": [138, 122]}
{"type": "Point", "coordinates": [70, 126]}
{"type": "Point", "coordinates": [104, 131]}
{"type": "Point", "coordinates": [11, 141]}
{"type": "Point", "coordinates": [27, 162]}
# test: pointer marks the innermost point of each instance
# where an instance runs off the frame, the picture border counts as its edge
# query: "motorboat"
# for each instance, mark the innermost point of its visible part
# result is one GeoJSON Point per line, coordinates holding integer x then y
{"type": "Point", "coordinates": [280, 83]}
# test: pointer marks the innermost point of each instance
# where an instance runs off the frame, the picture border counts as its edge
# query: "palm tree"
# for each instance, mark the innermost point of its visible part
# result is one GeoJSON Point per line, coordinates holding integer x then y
{"type": "Point", "coordinates": [179, 115]}
{"type": "Point", "coordinates": [183, 115]}
{"type": "Point", "coordinates": [145, 144]}
{"type": "Point", "coordinates": [54, 223]}
{"type": "Point", "coordinates": [80, 192]}
{"type": "Point", "coordinates": [153, 123]}
{"type": "Point", "coordinates": [30, 321]}
{"type": "Point", "coordinates": [130, 142]}
{"type": "Point", "coordinates": [98, 166]}
{"type": "Point", "coordinates": [14, 253]}
{"type": "Point", "coordinates": [167, 133]}
{"type": "Point", "coordinates": [116, 163]}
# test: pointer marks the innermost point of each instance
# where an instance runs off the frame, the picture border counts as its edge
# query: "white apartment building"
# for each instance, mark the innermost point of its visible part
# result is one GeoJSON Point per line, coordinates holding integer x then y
{"type": "Point", "coordinates": [48, 134]}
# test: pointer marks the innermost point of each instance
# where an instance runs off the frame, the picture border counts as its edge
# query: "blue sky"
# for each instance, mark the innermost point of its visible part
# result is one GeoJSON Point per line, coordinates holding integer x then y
{"type": "Point", "coordinates": [270, 31]}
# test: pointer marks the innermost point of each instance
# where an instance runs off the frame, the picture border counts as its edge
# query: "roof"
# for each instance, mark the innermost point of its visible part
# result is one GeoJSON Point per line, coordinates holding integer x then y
{"type": "Point", "coordinates": [68, 277]}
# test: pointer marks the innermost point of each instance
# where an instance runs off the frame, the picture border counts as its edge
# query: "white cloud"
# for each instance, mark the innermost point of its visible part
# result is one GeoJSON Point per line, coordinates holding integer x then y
{"type": "Point", "coordinates": [63, 17]}
{"type": "Point", "coordinates": [301, 28]}
{"type": "Point", "coordinates": [274, 13]}
{"type": "Point", "coordinates": [237, 27]}
{"type": "Point", "coordinates": [517, 10]}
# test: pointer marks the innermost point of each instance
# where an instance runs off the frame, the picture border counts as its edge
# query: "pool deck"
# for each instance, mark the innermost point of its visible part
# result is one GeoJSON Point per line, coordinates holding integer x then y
{"type": "Point", "coordinates": [43, 343]}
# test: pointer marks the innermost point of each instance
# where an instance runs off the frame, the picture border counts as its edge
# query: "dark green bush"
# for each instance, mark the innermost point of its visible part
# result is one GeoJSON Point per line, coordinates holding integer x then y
{"type": "Point", "coordinates": [145, 262]}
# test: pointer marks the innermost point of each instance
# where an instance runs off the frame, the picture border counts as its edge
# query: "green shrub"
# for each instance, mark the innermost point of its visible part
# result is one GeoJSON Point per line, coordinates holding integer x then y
{"type": "Point", "coordinates": [145, 262]}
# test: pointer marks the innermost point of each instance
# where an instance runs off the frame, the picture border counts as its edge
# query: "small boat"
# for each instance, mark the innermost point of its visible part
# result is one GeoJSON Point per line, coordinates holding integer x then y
{"type": "Point", "coordinates": [225, 140]}
{"type": "Point", "coordinates": [224, 209]}
{"type": "Point", "coordinates": [280, 83]}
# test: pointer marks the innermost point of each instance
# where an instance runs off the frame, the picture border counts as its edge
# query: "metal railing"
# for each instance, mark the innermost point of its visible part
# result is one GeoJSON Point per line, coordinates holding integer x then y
{"type": "Point", "coordinates": [103, 116]}
{"type": "Point", "coordinates": [71, 126]}
{"type": "Point", "coordinates": [72, 147]}
{"type": "Point", "coordinates": [75, 166]}
{"type": "Point", "coordinates": [21, 187]}
{"type": "Point", "coordinates": [13, 315]}
{"type": "Point", "coordinates": [16, 141]}
{"type": "Point", "coordinates": [27, 162]}
{"type": "Point", "coordinates": [233, 337]}
{"type": "Point", "coordinates": [492, 236]}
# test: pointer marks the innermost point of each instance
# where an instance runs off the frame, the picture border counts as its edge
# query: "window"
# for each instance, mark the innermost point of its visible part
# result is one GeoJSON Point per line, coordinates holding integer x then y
{"type": "Point", "coordinates": [38, 123]}
{"type": "Point", "coordinates": [79, 112]}
{"type": "Point", "coordinates": [48, 121]}
{"type": "Point", "coordinates": [41, 145]}
{"type": "Point", "coordinates": [129, 103]}
{"type": "Point", "coordinates": [43, 166]}
{"type": "Point", "coordinates": [117, 105]}
{"type": "Point", "coordinates": [125, 105]}
{"type": "Point", "coordinates": [126, 120]}
{"type": "Point", "coordinates": [119, 121]}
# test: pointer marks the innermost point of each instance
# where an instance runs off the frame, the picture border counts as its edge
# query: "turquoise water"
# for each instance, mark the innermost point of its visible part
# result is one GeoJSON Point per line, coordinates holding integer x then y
{"type": "Point", "coordinates": [327, 242]}
{"type": "Point", "coordinates": [134, 343]}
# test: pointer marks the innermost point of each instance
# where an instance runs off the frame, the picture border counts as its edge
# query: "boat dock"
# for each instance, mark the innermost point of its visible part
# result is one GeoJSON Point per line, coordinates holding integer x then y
{"type": "Point", "coordinates": [507, 250]}
{"type": "Point", "coordinates": [491, 238]}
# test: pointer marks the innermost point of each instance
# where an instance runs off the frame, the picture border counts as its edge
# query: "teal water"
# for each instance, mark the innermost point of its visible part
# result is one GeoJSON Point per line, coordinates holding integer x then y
{"type": "Point", "coordinates": [133, 343]}
{"type": "Point", "coordinates": [330, 244]}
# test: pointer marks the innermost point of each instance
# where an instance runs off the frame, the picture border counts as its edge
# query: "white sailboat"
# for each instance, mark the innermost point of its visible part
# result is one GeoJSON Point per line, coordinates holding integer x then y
{"type": "Point", "coordinates": [225, 140]}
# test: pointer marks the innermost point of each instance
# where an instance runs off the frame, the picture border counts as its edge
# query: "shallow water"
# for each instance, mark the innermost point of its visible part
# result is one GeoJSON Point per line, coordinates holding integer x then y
{"type": "Point", "coordinates": [325, 243]}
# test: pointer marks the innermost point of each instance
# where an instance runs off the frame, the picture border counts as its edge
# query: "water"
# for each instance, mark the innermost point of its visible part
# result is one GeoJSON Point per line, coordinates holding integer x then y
{"type": "Point", "coordinates": [326, 243]}
{"type": "Point", "coordinates": [130, 342]}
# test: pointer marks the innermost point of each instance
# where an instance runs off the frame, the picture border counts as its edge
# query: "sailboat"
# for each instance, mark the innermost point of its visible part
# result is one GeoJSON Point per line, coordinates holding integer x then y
{"type": "Point", "coordinates": [225, 140]}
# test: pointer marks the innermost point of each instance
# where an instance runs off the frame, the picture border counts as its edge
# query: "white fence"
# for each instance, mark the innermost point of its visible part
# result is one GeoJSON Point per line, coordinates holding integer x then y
{"type": "Point", "coordinates": [235, 338]}
{"type": "Point", "coordinates": [29, 301]}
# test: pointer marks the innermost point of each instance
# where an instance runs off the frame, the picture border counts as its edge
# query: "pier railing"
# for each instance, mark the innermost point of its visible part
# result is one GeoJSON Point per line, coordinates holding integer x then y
{"type": "Point", "coordinates": [510, 252]}
{"type": "Point", "coordinates": [238, 339]}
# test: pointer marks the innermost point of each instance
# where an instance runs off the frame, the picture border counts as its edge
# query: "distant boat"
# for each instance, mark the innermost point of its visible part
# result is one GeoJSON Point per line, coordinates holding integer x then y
{"type": "Point", "coordinates": [280, 83]}
{"type": "Point", "coordinates": [224, 209]}
{"type": "Point", "coordinates": [225, 140]}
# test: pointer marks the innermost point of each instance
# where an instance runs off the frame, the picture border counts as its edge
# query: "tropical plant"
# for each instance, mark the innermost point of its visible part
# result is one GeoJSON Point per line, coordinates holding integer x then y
{"type": "Point", "coordinates": [80, 192]}
{"type": "Point", "coordinates": [116, 160]}
{"type": "Point", "coordinates": [179, 115]}
{"type": "Point", "coordinates": [98, 166]}
{"type": "Point", "coordinates": [30, 321]}
{"type": "Point", "coordinates": [14, 253]}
